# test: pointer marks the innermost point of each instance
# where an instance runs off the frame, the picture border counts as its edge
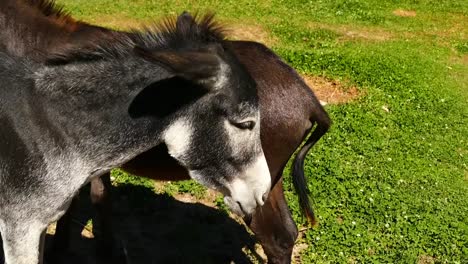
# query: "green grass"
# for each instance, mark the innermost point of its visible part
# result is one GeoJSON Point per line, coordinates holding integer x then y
{"type": "Point", "coordinates": [388, 186]}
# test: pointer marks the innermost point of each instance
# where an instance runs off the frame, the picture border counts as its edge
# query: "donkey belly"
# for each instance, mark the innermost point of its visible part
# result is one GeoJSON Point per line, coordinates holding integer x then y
{"type": "Point", "coordinates": [156, 164]}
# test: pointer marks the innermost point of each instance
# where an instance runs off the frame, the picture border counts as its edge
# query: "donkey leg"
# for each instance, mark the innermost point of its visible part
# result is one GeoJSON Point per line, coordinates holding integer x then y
{"type": "Point", "coordinates": [61, 241]}
{"type": "Point", "coordinates": [42, 246]}
{"type": "Point", "coordinates": [22, 242]}
{"type": "Point", "coordinates": [274, 227]}
{"type": "Point", "coordinates": [107, 248]}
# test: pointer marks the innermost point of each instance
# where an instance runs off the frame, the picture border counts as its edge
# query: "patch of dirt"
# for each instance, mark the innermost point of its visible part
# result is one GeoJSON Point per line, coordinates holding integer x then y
{"type": "Point", "coordinates": [208, 199]}
{"type": "Point", "coordinates": [464, 59]}
{"type": "Point", "coordinates": [378, 35]}
{"type": "Point", "coordinates": [352, 260]}
{"type": "Point", "coordinates": [256, 254]}
{"type": "Point", "coordinates": [250, 32]}
{"type": "Point", "coordinates": [425, 259]}
{"type": "Point", "coordinates": [452, 26]}
{"type": "Point", "coordinates": [458, 59]}
{"type": "Point", "coordinates": [331, 91]}
{"type": "Point", "coordinates": [356, 32]}
{"type": "Point", "coordinates": [297, 250]}
{"type": "Point", "coordinates": [404, 13]}
{"type": "Point", "coordinates": [51, 229]}
{"type": "Point", "coordinates": [340, 220]}
{"type": "Point", "coordinates": [87, 232]}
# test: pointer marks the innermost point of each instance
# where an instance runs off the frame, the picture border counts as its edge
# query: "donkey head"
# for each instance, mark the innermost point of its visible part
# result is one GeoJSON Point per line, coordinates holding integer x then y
{"type": "Point", "coordinates": [217, 138]}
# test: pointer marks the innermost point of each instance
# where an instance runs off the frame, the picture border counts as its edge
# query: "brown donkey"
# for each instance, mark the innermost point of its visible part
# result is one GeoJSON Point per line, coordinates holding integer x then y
{"type": "Point", "coordinates": [289, 111]}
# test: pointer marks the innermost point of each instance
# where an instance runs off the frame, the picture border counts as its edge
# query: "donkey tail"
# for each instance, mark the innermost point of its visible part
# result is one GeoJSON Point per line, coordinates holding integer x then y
{"type": "Point", "coordinates": [298, 177]}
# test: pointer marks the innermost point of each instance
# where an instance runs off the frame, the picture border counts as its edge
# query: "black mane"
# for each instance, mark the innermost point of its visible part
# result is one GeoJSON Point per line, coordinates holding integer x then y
{"type": "Point", "coordinates": [175, 31]}
{"type": "Point", "coordinates": [180, 33]}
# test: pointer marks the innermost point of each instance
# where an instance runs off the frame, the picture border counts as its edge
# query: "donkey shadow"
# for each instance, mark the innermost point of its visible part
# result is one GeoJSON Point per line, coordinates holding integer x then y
{"type": "Point", "coordinates": [156, 228]}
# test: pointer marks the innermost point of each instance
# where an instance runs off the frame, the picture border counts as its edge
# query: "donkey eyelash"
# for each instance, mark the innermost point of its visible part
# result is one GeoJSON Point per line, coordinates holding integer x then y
{"type": "Point", "coordinates": [248, 124]}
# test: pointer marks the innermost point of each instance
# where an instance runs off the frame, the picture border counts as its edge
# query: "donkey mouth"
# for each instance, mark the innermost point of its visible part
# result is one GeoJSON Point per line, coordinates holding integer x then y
{"type": "Point", "coordinates": [235, 207]}
{"type": "Point", "coordinates": [243, 209]}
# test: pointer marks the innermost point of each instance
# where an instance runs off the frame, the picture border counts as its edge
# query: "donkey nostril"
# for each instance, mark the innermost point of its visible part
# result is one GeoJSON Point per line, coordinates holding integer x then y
{"type": "Point", "coordinates": [265, 196]}
{"type": "Point", "coordinates": [240, 206]}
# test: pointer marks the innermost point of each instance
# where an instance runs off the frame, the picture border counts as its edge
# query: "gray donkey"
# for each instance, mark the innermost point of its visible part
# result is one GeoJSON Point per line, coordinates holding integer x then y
{"type": "Point", "coordinates": [92, 109]}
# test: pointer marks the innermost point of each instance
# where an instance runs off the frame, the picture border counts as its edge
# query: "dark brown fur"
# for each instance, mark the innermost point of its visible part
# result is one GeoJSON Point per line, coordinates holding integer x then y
{"type": "Point", "coordinates": [289, 111]}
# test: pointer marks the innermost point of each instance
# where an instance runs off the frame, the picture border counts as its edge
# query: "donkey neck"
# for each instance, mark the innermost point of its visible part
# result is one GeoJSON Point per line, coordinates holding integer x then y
{"type": "Point", "coordinates": [90, 103]}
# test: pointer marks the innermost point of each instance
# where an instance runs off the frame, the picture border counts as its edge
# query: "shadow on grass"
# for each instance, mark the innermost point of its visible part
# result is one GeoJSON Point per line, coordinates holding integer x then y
{"type": "Point", "coordinates": [159, 229]}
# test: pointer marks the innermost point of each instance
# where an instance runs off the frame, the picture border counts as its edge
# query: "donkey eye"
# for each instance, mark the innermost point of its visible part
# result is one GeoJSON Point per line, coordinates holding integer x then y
{"type": "Point", "coordinates": [244, 125]}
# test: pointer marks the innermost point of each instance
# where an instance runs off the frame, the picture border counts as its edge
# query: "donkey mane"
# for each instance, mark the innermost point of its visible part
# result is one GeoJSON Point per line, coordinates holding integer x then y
{"type": "Point", "coordinates": [185, 33]}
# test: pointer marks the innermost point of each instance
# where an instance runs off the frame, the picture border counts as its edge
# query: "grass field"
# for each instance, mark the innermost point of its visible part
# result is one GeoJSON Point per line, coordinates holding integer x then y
{"type": "Point", "coordinates": [390, 180]}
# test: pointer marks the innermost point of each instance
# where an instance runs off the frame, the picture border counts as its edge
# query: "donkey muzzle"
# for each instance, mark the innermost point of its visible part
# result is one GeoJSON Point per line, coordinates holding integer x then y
{"type": "Point", "coordinates": [249, 190]}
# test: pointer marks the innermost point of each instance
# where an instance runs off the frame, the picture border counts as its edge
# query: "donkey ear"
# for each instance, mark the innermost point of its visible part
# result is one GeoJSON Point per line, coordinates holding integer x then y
{"type": "Point", "coordinates": [190, 65]}
{"type": "Point", "coordinates": [184, 19]}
